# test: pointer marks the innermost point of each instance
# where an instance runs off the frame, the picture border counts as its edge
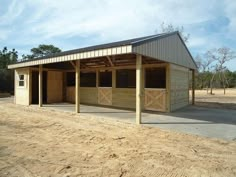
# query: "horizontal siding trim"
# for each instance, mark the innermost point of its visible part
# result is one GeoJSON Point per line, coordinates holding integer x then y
{"type": "Point", "coordinates": [78, 56]}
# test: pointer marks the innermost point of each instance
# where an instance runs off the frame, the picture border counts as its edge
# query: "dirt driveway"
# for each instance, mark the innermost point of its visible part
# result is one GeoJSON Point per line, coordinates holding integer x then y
{"type": "Point", "coordinates": [42, 142]}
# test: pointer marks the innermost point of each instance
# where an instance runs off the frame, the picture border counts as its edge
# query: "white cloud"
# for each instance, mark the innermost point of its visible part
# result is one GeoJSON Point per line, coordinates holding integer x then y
{"type": "Point", "coordinates": [113, 19]}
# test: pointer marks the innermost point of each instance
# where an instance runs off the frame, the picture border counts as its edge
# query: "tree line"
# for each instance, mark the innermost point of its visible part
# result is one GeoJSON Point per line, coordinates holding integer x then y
{"type": "Point", "coordinates": [7, 76]}
{"type": "Point", "coordinates": [212, 70]}
{"type": "Point", "coordinates": [11, 56]}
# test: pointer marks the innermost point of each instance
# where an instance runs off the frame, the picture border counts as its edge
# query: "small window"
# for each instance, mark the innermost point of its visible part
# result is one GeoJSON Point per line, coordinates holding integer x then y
{"type": "Point", "coordinates": [105, 79]}
{"type": "Point", "coordinates": [88, 79]}
{"type": "Point", "coordinates": [70, 79]}
{"type": "Point", "coordinates": [126, 78]}
{"type": "Point", "coordinates": [21, 80]}
{"type": "Point", "coordinates": [155, 78]}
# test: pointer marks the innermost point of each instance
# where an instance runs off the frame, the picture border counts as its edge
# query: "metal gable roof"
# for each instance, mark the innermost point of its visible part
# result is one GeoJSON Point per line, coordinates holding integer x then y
{"type": "Point", "coordinates": [101, 46]}
{"type": "Point", "coordinates": [132, 42]}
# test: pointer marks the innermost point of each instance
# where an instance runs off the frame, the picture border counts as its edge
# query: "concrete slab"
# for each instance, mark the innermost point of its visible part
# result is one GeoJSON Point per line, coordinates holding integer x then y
{"type": "Point", "coordinates": [209, 122]}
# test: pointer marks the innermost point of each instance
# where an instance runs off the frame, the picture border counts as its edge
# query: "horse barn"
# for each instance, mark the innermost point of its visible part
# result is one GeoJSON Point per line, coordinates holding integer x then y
{"type": "Point", "coordinates": [147, 73]}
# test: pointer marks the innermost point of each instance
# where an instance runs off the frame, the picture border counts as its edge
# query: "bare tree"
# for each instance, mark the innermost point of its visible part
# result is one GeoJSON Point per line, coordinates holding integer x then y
{"type": "Point", "coordinates": [220, 56]}
{"type": "Point", "coordinates": [168, 28]}
{"type": "Point", "coordinates": [204, 68]}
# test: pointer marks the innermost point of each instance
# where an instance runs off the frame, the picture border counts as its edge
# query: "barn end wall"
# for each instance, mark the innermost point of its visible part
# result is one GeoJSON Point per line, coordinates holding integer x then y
{"type": "Point", "coordinates": [179, 87]}
{"type": "Point", "coordinates": [22, 93]}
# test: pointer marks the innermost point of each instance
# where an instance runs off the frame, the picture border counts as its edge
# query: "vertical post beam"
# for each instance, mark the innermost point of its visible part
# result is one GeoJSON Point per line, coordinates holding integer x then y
{"type": "Point", "coordinates": [40, 85]}
{"type": "Point", "coordinates": [77, 87]}
{"type": "Point", "coordinates": [168, 90]}
{"type": "Point", "coordinates": [30, 85]}
{"type": "Point", "coordinates": [193, 87]}
{"type": "Point", "coordinates": [138, 88]}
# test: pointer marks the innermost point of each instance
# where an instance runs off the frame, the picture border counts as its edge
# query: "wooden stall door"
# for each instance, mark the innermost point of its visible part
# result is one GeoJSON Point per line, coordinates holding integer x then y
{"type": "Point", "coordinates": [105, 96]}
{"type": "Point", "coordinates": [155, 99]}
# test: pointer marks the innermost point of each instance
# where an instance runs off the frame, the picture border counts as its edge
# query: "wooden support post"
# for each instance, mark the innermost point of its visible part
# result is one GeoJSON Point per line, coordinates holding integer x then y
{"type": "Point", "coordinates": [77, 87]}
{"type": "Point", "coordinates": [193, 87]}
{"type": "Point", "coordinates": [40, 85]}
{"type": "Point", "coordinates": [30, 85]}
{"type": "Point", "coordinates": [168, 90]}
{"type": "Point", "coordinates": [138, 88]}
{"type": "Point", "coordinates": [15, 85]}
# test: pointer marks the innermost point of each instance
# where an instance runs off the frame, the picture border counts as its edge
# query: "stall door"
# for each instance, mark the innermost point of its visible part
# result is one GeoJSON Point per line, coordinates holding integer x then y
{"type": "Point", "coordinates": [155, 99]}
{"type": "Point", "coordinates": [105, 88]}
{"type": "Point", "coordinates": [105, 96]}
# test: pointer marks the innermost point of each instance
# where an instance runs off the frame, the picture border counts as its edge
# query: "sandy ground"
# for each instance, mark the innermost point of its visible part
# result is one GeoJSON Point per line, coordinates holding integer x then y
{"type": "Point", "coordinates": [218, 99]}
{"type": "Point", "coordinates": [41, 142]}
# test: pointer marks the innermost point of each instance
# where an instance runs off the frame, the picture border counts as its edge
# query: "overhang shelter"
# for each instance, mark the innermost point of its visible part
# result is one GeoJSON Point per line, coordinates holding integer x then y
{"type": "Point", "coordinates": [147, 73]}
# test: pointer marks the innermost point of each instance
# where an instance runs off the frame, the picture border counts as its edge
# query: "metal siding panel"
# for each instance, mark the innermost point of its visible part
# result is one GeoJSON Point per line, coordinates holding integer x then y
{"type": "Point", "coordinates": [104, 52]}
{"type": "Point", "coordinates": [113, 51]}
{"type": "Point", "coordinates": [170, 49]}
{"type": "Point", "coordinates": [92, 53]}
{"type": "Point", "coordinates": [96, 53]}
{"type": "Point", "coordinates": [100, 53]}
{"type": "Point", "coordinates": [179, 51]}
{"type": "Point", "coordinates": [156, 48]}
{"type": "Point", "coordinates": [86, 55]}
{"type": "Point", "coordinates": [108, 51]}
{"type": "Point", "coordinates": [123, 49]}
{"type": "Point", "coordinates": [65, 57]}
{"type": "Point", "coordinates": [129, 49]}
{"type": "Point", "coordinates": [118, 50]}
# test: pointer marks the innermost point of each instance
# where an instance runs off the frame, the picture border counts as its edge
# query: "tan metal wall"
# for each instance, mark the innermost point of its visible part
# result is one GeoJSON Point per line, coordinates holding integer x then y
{"type": "Point", "coordinates": [54, 86]}
{"type": "Point", "coordinates": [22, 93]}
{"type": "Point", "coordinates": [170, 49]}
{"type": "Point", "coordinates": [179, 84]}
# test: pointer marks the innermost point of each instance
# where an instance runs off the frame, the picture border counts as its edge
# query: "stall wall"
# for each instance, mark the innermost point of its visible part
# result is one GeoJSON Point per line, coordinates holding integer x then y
{"type": "Point", "coordinates": [22, 93]}
{"type": "Point", "coordinates": [121, 97]}
{"type": "Point", "coordinates": [124, 97]}
{"type": "Point", "coordinates": [88, 95]}
{"type": "Point", "coordinates": [179, 86]}
{"type": "Point", "coordinates": [54, 86]}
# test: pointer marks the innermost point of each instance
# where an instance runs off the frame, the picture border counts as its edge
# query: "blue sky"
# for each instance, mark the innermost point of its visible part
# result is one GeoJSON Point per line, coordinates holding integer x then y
{"type": "Point", "coordinates": [70, 24]}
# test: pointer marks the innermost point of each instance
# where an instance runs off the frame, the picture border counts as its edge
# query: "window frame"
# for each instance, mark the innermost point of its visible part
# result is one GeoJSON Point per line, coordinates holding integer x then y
{"type": "Point", "coordinates": [21, 80]}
